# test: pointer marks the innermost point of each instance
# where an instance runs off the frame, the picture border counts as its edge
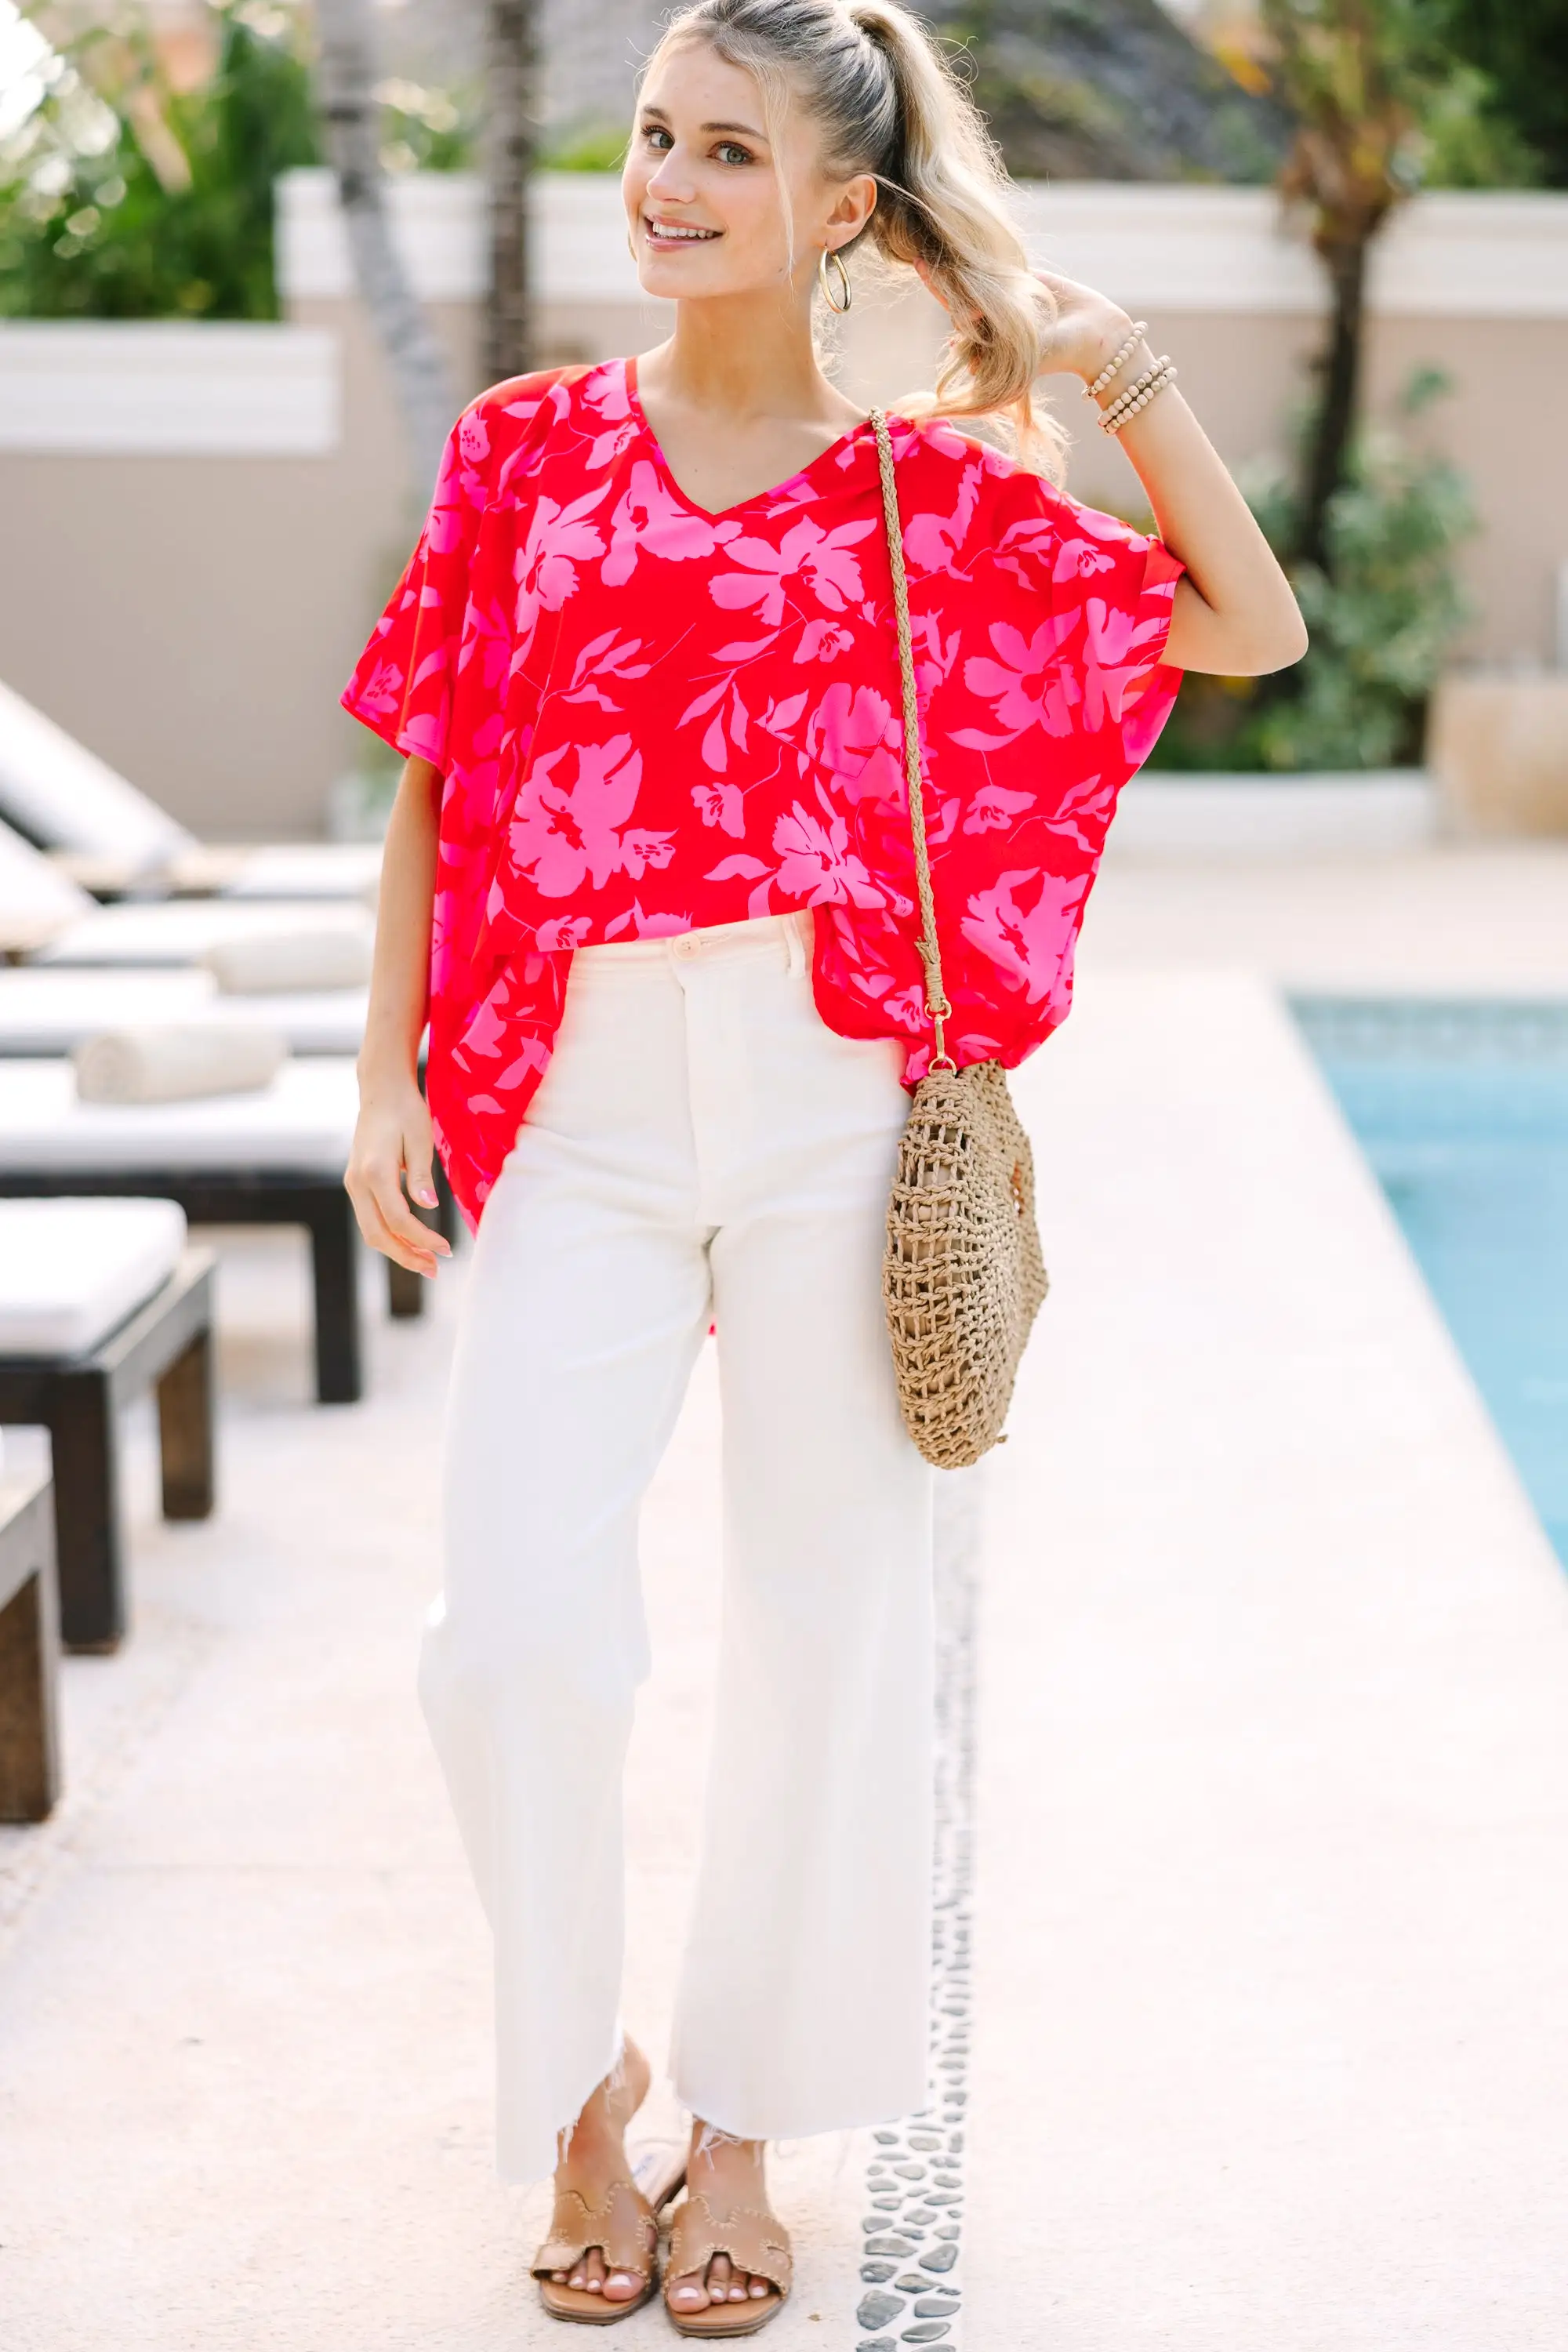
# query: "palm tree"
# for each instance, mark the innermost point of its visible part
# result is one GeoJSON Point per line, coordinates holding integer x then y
{"type": "Point", "coordinates": [511, 64]}
{"type": "Point", "coordinates": [1356, 74]}
{"type": "Point", "coordinates": [351, 130]}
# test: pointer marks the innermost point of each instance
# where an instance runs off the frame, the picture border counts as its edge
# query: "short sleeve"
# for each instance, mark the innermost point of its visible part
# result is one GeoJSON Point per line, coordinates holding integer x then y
{"type": "Point", "coordinates": [402, 685]}
{"type": "Point", "coordinates": [1108, 591]}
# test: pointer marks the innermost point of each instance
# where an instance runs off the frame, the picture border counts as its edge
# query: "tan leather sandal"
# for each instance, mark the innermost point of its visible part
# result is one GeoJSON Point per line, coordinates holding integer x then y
{"type": "Point", "coordinates": [624, 2226]}
{"type": "Point", "coordinates": [755, 2241]}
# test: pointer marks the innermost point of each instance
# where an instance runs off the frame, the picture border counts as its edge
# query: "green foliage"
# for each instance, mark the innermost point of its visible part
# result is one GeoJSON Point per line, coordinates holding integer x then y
{"type": "Point", "coordinates": [586, 147]}
{"type": "Point", "coordinates": [1464, 142]}
{"type": "Point", "coordinates": [161, 205]}
{"type": "Point", "coordinates": [1380, 626]}
{"type": "Point", "coordinates": [426, 129]}
{"type": "Point", "coordinates": [123, 198]}
{"type": "Point", "coordinates": [1521, 49]}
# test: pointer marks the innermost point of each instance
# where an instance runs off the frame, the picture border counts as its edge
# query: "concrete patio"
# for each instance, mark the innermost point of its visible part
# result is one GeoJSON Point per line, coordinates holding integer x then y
{"type": "Point", "coordinates": [1270, 1788]}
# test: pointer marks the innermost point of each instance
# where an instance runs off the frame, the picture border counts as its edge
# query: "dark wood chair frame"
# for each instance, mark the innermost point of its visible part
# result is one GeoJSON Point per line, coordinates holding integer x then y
{"type": "Point", "coordinates": [165, 1342]}
{"type": "Point", "coordinates": [269, 1196]}
{"type": "Point", "coordinates": [29, 1652]}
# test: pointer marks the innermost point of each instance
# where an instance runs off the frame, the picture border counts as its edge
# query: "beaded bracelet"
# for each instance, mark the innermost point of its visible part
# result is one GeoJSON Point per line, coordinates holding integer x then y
{"type": "Point", "coordinates": [1138, 396]}
{"type": "Point", "coordinates": [1114, 367]}
{"type": "Point", "coordinates": [1129, 392]}
{"type": "Point", "coordinates": [1123, 410]}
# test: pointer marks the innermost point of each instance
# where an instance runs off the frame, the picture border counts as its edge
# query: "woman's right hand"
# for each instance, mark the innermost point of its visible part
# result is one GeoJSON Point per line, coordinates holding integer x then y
{"type": "Point", "coordinates": [392, 1140]}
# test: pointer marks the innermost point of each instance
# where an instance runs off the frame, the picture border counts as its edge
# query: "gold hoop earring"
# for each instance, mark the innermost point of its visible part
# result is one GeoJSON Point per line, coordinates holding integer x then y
{"type": "Point", "coordinates": [829, 254]}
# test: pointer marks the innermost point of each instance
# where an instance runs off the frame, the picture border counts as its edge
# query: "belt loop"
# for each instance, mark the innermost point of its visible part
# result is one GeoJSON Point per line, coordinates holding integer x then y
{"type": "Point", "coordinates": [795, 925]}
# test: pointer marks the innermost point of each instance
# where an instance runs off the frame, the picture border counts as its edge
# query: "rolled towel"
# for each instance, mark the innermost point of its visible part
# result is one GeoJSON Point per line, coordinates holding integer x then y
{"type": "Point", "coordinates": [175, 1062]}
{"type": "Point", "coordinates": [279, 963]}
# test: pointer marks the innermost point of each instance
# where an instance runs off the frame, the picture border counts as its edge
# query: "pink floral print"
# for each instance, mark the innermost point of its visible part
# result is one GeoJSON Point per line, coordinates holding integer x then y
{"type": "Point", "coordinates": [647, 717]}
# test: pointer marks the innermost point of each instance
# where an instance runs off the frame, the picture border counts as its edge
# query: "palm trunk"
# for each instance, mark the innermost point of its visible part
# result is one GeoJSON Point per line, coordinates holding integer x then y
{"type": "Point", "coordinates": [1338, 373]}
{"type": "Point", "coordinates": [350, 127]}
{"type": "Point", "coordinates": [512, 71]}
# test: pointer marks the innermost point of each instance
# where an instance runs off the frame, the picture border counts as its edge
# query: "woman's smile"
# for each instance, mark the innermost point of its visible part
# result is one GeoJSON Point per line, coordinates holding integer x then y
{"type": "Point", "coordinates": [666, 234]}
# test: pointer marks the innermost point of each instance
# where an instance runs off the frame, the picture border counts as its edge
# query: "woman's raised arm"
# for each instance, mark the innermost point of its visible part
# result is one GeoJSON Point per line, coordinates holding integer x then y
{"type": "Point", "coordinates": [1235, 613]}
{"type": "Point", "coordinates": [393, 1138]}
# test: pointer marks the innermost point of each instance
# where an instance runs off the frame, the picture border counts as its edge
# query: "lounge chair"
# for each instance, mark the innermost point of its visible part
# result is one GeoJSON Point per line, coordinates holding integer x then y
{"type": "Point", "coordinates": [61, 797]}
{"type": "Point", "coordinates": [172, 931]}
{"type": "Point", "coordinates": [48, 1012]}
{"type": "Point", "coordinates": [273, 1157]}
{"type": "Point", "coordinates": [51, 919]}
{"type": "Point", "coordinates": [101, 1299]}
{"type": "Point", "coordinates": [29, 1651]}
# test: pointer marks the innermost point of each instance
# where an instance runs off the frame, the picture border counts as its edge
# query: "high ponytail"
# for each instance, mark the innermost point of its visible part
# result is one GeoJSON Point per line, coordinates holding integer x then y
{"type": "Point", "coordinates": [889, 102]}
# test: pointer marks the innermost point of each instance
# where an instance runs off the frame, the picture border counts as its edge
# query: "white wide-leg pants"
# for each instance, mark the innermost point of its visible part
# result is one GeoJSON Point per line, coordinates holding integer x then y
{"type": "Point", "coordinates": [702, 1147]}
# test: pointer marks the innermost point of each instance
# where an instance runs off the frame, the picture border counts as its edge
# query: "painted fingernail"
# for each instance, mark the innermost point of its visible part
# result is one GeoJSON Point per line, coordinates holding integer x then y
{"type": "Point", "coordinates": [425, 1195]}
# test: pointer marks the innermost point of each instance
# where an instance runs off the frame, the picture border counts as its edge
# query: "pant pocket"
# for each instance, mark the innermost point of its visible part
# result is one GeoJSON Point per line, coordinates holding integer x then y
{"type": "Point", "coordinates": [798, 942]}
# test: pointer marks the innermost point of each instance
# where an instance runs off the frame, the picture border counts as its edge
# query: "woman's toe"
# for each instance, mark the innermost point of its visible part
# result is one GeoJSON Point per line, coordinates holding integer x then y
{"type": "Point", "coordinates": [758, 2287]}
{"type": "Point", "coordinates": [594, 2273]}
{"type": "Point", "coordinates": [688, 2293]}
{"type": "Point", "coordinates": [721, 2272]}
{"type": "Point", "coordinates": [621, 2285]}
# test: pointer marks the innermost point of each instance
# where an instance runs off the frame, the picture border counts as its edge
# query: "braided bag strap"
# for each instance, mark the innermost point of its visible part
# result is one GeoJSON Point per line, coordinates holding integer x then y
{"type": "Point", "coordinates": [937, 1005]}
{"type": "Point", "coordinates": [962, 1273]}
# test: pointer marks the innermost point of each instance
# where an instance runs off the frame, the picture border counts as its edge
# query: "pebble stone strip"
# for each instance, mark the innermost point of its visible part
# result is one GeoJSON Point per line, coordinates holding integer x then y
{"type": "Point", "coordinates": [911, 2289]}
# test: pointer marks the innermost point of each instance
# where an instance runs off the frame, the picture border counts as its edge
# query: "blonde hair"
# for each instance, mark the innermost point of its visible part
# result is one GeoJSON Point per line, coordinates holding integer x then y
{"type": "Point", "coordinates": [889, 102]}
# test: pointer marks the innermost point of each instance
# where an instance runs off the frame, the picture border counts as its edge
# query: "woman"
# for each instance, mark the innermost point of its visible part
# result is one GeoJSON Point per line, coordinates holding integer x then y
{"type": "Point", "coordinates": [652, 850]}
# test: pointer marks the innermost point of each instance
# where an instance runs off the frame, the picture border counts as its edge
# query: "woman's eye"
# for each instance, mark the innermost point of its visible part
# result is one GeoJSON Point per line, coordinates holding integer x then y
{"type": "Point", "coordinates": [656, 137]}
{"type": "Point", "coordinates": [728, 153]}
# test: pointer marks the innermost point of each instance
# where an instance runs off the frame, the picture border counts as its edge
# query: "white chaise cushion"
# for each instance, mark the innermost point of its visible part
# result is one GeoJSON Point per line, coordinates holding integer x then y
{"type": "Point", "coordinates": [58, 791]}
{"type": "Point", "coordinates": [183, 930]}
{"type": "Point", "coordinates": [71, 1271]}
{"type": "Point", "coordinates": [304, 1121]}
{"type": "Point", "coordinates": [309, 869]}
{"type": "Point", "coordinates": [51, 1011]}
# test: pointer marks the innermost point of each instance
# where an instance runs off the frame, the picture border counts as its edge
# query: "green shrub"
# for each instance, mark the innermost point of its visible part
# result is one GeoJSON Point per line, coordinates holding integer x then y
{"type": "Point", "coordinates": [1380, 620]}
{"type": "Point", "coordinates": [1466, 142]}
{"type": "Point", "coordinates": [426, 129]}
{"type": "Point", "coordinates": [160, 205]}
{"type": "Point", "coordinates": [123, 198]}
{"type": "Point", "coordinates": [585, 147]}
{"type": "Point", "coordinates": [1518, 47]}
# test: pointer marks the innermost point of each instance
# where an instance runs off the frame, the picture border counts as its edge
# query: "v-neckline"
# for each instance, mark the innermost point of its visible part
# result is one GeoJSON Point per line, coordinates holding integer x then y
{"type": "Point", "coordinates": [807, 473]}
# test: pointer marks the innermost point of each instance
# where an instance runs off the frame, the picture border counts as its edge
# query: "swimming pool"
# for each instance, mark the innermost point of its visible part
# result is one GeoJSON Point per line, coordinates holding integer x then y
{"type": "Point", "coordinates": [1462, 1109]}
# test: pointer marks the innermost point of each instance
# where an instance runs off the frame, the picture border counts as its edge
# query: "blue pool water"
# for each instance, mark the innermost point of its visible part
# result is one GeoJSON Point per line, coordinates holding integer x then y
{"type": "Point", "coordinates": [1463, 1111]}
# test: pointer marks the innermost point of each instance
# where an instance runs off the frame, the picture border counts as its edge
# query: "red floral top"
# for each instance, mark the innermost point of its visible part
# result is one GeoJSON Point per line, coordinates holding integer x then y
{"type": "Point", "coordinates": [650, 717]}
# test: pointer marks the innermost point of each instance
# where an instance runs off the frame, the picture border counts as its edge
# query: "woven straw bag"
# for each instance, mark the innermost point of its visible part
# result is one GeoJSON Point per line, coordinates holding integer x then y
{"type": "Point", "coordinates": [962, 1276]}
